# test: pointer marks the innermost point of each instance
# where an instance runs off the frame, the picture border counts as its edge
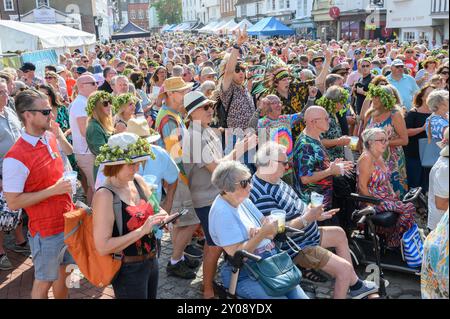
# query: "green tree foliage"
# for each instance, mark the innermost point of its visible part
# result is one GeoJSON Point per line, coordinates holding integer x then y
{"type": "Point", "coordinates": [169, 11]}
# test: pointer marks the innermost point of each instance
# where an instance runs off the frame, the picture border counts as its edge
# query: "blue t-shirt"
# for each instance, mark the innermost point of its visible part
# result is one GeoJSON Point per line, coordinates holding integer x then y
{"type": "Point", "coordinates": [438, 124]}
{"type": "Point", "coordinates": [163, 167]}
{"type": "Point", "coordinates": [406, 87]}
{"type": "Point", "coordinates": [229, 225]}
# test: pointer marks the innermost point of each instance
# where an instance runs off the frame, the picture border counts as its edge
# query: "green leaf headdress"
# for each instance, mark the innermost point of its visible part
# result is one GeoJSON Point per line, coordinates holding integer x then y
{"type": "Point", "coordinates": [94, 98]}
{"type": "Point", "coordinates": [124, 148]}
{"type": "Point", "coordinates": [330, 104]}
{"type": "Point", "coordinates": [384, 93]}
{"type": "Point", "coordinates": [121, 100]}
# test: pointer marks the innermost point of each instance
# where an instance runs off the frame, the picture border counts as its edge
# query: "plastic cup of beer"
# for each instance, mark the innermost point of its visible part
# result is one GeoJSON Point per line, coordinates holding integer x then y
{"type": "Point", "coordinates": [354, 142]}
{"type": "Point", "coordinates": [280, 216]}
{"type": "Point", "coordinates": [316, 199]}
{"type": "Point", "coordinates": [72, 177]}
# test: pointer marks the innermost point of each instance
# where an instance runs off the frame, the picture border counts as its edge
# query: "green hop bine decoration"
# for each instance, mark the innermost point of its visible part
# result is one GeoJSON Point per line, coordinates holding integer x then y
{"type": "Point", "coordinates": [386, 98]}
{"type": "Point", "coordinates": [94, 98]}
{"type": "Point", "coordinates": [330, 105]}
{"type": "Point", "coordinates": [108, 154]}
{"type": "Point", "coordinates": [121, 100]}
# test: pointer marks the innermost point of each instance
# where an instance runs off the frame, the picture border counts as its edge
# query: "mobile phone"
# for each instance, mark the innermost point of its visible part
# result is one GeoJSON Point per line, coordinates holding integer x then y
{"type": "Point", "coordinates": [173, 218]}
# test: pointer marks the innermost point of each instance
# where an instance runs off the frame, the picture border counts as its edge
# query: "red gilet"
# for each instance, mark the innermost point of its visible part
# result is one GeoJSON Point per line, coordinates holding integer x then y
{"type": "Point", "coordinates": [45, 217]}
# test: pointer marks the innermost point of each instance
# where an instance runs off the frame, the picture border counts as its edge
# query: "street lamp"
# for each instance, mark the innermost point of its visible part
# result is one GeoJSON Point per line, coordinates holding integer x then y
{"type": "Point", "coordinates": [18, 9]}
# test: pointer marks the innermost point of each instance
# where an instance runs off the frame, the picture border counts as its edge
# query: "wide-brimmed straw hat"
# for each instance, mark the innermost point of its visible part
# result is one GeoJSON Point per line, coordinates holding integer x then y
{"type": "Point", "coordinates": [174, 84]}
{"type": "Point", "coordinates": [124, 148]}
{"type": "Point", "coordinates": [139, 126]}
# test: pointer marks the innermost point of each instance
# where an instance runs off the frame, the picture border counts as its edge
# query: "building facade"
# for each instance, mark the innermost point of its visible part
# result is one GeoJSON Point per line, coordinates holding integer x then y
{"type": "Point", "coordinates": [138, 14]}
{"type": "Point", "coordinates": [304, 23]}
{"type": "Point", "coordinates": [326, 26]}
{"type": "Point", "coordinates": [227, 8]}
{"type": "Point", "coordinates": [418, 20]}
{"type": "Point", "coordinates": [91, 16]}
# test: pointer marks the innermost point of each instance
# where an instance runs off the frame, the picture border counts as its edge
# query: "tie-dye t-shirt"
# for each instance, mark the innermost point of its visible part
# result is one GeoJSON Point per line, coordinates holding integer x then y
{"type": "Point", "coordinates": [279, 131]}
{"type": "Point", "coordinates": [310, 156]}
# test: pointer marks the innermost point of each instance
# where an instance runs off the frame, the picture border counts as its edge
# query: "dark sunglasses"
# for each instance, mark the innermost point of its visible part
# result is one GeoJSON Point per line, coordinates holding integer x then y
{"type": "Point", "coordinates": [91, 83]}
{"type": "Point", "coordinates": [365, 66]}
{"type": "Point", "coordinates": [245, 183]}
{"type": "Point", "coordinates": [444, 72]}
{"type": "Point", "coordinates": [285, 163]}
{"type": "Point", "coordinates": [85, 61]}
{"type": "Point", "coordinates": [398, 66]}
{"type": "Point", "coordinates": [49, 77]}
{"type": "Point", "coordinates": [209, 106]}
{"type": "Point", "coordinates": [43, 112]}
{"type": "Point", "coordinates": [239, 69]}
{"type": "Point", "coordinates": [107, 103]}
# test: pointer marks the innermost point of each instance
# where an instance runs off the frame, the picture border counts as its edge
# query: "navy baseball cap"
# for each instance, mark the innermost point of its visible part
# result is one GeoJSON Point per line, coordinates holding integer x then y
{"type": "Point", "coordinates": [28, 66]}
{"type": "Point", "coordinates": [81, 70]}
{"type": "Point", "coordinates": [358, 51]}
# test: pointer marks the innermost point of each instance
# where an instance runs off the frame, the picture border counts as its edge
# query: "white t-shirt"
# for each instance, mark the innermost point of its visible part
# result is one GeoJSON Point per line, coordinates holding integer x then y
{"type": "Point", "coordinates": [78, 109]}
{"type": "Point", "coordinates": [438, 187]}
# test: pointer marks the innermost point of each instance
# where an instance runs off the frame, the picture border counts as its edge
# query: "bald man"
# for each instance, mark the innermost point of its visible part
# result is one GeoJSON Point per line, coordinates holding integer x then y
{"type": "Point", "coordinates": [78, 123]}
{"type": "Point", "coordinates": [313, 170]}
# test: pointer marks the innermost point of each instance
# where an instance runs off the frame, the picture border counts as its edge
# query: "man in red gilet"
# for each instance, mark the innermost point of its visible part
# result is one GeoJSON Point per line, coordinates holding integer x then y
{"type": "Point", "coordinates": [32, 179]}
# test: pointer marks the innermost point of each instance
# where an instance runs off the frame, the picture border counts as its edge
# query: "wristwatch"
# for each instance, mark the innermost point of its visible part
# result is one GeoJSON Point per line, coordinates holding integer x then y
{"type": "Point", "coordinates": [304, 222]}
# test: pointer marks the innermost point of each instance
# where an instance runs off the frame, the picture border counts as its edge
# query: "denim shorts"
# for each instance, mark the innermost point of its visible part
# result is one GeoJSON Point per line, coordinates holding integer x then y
{"type": "Point", "coordinates": [203, 215]}
{"type": "Point", "coordinates": [45, 253]}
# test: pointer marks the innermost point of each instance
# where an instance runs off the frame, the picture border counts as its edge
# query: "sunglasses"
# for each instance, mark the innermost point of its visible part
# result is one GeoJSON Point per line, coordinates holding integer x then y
{"type": "Point", "coordinates": [284, 163]}
{"type": "Point", "coordinates": [107, 103]}
{"type": "Point", "coordinates": [245, 183]}
{"type": "Point", "coordinates": [85, 61]}
{"type": "Point", "coordinates": [239, 69]}
{"type": "Point", "coordinates": [398, 66]}
{"type": "Point", "coordinates": [91, 83]}
{"type": "Point", "coordinates": [382, 141]}
{"type": "Point", "coordinates": [365, 66]}
{"type": "Point", "coordinates": [444, 72]}
{"type": "Point", "coordinates": [43, 112]}
{"type": "Point", "coordinates": [409, 52]}
{"type": "Point", "coordinates": [209, 106]}
{"type": "Point", "coordinates": [49, 77]}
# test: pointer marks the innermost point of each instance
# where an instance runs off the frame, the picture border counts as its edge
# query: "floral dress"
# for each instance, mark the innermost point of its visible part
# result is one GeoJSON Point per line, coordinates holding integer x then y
{"type": "Point", "coordinates": [434, 276]}
{"type": "Point", "coordinates": [334, 132]}
{"type": "Point", "coordinates": [393, 156]}
{"type": "Point", "coordinates": [380, 187]}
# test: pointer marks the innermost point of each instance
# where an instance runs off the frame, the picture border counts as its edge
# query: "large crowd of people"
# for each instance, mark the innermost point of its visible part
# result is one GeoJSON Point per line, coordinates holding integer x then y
{"type": "Point", "coordinates": [237, 127]}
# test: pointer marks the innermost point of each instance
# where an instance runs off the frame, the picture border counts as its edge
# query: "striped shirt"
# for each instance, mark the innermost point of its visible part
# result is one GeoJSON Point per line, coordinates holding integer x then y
{"type": "Point", "coordinates": [268, 197]}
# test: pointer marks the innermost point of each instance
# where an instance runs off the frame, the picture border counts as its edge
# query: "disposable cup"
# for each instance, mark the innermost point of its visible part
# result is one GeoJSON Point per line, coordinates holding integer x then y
{"type": "Point", "coordinates": [72, 177]}
{"type": "Point", "coordinates": [354, 142]}
{"type": "Point", "coordinates": [150, 180]}
{"type": "Point", "coordinates": [280, 216]}
{"type": "Point", "coordinates": [342, 168]}
{"type": "Point", "coordinates": [316, 199]}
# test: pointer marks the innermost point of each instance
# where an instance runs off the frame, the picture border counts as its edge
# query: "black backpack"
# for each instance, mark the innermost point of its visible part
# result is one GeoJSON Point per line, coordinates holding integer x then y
{"type": "Point", "coordinates": [221, 112]}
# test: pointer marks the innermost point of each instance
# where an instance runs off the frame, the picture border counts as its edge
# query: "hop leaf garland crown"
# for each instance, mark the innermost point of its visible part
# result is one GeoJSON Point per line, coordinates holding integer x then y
{"type": "Point", "coordinates": [141, 148]}
{"type": "Point", "coordinates": [94, 98]}
{"type": "Point", "coordinates": [330, 105]}
{"type": "Point", "coordinates": [122, 99]}
{"type": "Point", "coordinates": [386, 98]}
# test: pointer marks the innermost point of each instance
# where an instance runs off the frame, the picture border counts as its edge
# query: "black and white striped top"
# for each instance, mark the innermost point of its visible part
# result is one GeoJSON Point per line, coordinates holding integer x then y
{"type": "Point", "coordinates": [268, 197]}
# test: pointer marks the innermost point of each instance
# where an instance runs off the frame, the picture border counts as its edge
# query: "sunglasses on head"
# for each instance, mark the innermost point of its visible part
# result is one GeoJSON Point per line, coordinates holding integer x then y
{"type": "Point", "coordinates": [245, 183]}
{"type": "Point", "coordinates": [43, 112]}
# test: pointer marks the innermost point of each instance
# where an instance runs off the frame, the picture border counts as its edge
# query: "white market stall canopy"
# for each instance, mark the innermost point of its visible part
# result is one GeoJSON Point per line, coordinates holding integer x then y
{"type": "Point", "coordinates": [208, 27]}
{"type": "Point", "coordinates": [226, 28]}
{"type": "Point", "coordinates": [241, 25]}
{"type": "Point", "coordinates": [24, 36]}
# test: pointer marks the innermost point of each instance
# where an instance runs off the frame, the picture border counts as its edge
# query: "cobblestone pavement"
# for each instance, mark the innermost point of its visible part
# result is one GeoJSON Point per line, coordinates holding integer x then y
{"type": "Point", "coordinates": [17, 283]}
